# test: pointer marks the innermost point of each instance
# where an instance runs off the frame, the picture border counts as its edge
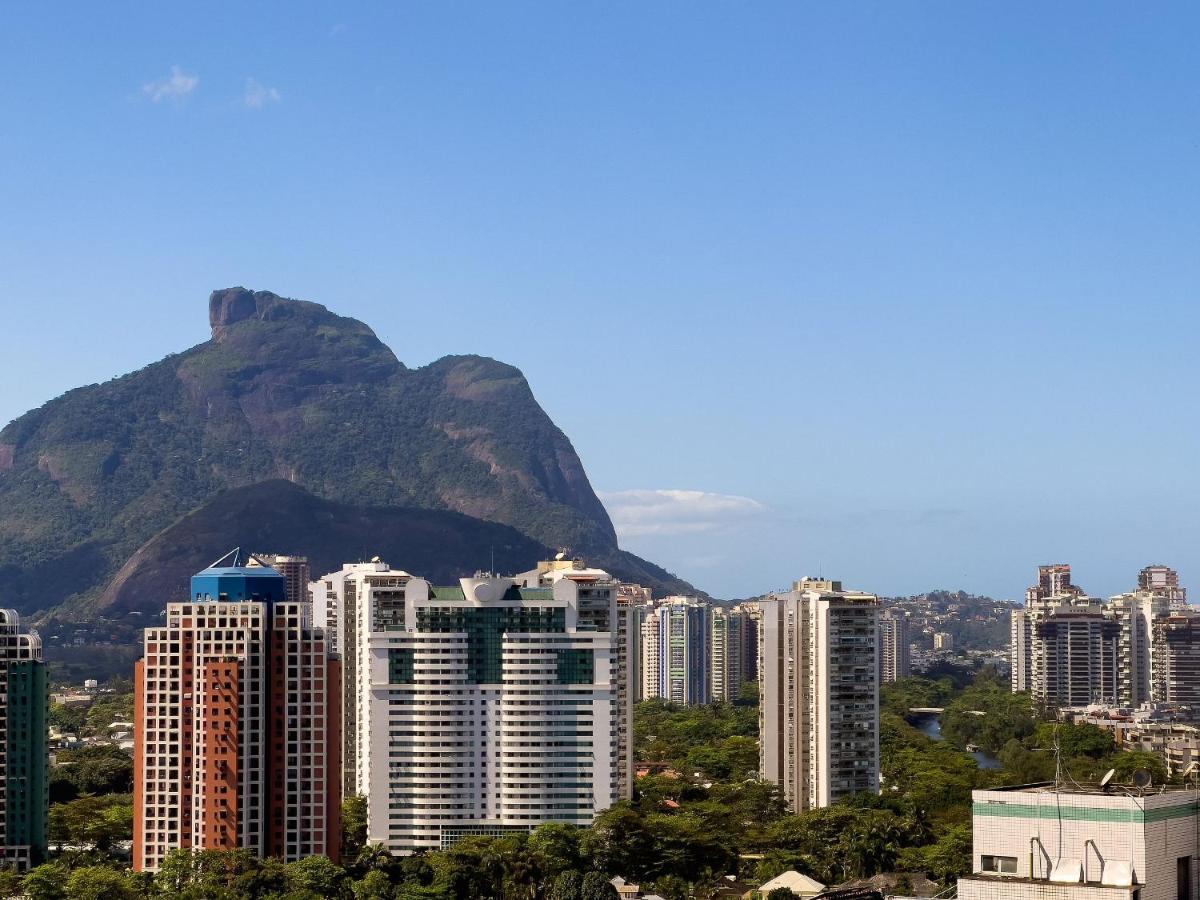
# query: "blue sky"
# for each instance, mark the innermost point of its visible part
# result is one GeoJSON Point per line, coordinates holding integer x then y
{"type": "Point", "coordinates": [900, 292]}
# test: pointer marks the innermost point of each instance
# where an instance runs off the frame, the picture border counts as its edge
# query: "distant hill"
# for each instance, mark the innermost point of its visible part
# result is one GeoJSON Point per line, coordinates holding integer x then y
{"type": "Point", "coordinates": [117, 477]}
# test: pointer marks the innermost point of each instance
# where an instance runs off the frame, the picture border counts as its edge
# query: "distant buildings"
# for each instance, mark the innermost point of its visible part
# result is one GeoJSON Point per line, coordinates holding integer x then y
{"type": "Point", "coordinates": [238, 739]}
{"type": "Point", "coordinates": [295, 572]}
{"type": "Point", "coordinates": [24, 743]}
{"type": "Point", "coordinates": [943, 641]}
{"type": "Point", "coordinates": [492, 706]}
{"type": "Point", "coordinates": [677, 651]}
{"type": "Point", "coordinates": [1072, 650]}
{"type": "Point", "coordinates": [894, 654]}
{"type": "Point", "coordinates": [728, 627]}
{"type": "Point", "coordinates": [819, 693]}
{"type": "Point", "coordinates": [1083, 842]}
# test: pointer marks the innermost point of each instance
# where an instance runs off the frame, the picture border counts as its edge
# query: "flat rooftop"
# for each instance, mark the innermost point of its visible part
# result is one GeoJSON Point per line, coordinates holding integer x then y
{"type": "Point", "coordinates": [1115, 789]}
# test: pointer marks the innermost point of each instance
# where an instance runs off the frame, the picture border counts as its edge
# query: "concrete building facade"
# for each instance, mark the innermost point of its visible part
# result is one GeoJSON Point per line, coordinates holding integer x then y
{"type": "Point", "coordinates": [677, 652]}
{"type": "Point", "coordinates": [819, 693]}
{"type": "Point", "coordinates": [1084, 843]}
{"type": "Point", "coordinates": [726, 628]}
{"type": "Point", "coordinates": [894, 653]}
{"type": "Point", "coordinates": [24, 745]}
{"type": "Point", "coordinates": [237, 724]}
{"type": "Point", "coordinates": [493, 707]}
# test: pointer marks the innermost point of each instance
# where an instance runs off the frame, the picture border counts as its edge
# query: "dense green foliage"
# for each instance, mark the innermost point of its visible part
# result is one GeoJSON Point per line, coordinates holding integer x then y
{"type": "Point", "coordinates": [103, 769]}
{"type": "Point", "coordinates": [719, 741]}
{"type": "Point", "coordinates": [987, 714]}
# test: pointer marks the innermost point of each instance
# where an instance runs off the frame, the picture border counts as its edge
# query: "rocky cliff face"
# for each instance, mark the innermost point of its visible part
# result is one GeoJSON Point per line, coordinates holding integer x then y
{"type": "Point", "coordinates": [286, 390]}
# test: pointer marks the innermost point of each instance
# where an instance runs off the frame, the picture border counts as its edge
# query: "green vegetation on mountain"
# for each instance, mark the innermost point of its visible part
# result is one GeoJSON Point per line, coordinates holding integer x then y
{"type": "Point", "coordinates": [284, 390]}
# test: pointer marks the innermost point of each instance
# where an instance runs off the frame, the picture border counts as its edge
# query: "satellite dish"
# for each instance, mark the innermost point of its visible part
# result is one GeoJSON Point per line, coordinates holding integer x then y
{"type": "Point", "coordinates": [1141, 779]}
{"type": "Point", "coordinates": [1107, 779]}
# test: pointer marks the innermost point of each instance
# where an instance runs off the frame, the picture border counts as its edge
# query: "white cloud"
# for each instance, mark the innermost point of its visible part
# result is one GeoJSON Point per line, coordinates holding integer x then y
{"type": "Point", "coordinates": [173, 88]}
{"type": "Point", "coordinates": [642, 512]}
{"type": "Point", "coordinates": [259, 95]}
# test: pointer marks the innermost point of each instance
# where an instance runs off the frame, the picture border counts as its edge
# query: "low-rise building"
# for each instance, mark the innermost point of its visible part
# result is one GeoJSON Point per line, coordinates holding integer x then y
{"type": "Point", "coordinates": [1084, 843]}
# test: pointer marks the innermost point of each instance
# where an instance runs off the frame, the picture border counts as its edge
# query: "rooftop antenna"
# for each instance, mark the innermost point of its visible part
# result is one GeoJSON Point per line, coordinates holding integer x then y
{"type": "Point", "coordinates": [493, 549]}
{"type": "Point", "coordinates": [1106, 781]}
{"type": "Point", "coordinates": [1142, 779]}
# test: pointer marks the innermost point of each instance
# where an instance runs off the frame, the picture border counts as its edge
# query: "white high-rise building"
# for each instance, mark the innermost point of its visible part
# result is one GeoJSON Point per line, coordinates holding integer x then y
{"type": "Point", "coordinates": [350, 604]}
{"type": "Point", "coordinates": [493, 707]}
{"type": "Point", "coordinates": [819, 693]}
{"type": "Point", "coordinates": [893, 645]}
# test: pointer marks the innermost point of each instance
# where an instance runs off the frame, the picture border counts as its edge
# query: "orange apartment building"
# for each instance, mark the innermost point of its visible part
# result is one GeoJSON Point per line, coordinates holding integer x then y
{"type": "Point", "coordinates": [238, 723]}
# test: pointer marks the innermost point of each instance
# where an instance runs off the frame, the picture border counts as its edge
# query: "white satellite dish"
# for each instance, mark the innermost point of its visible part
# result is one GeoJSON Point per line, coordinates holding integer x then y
{"type": "Point", "coordinates": [1107, 779]}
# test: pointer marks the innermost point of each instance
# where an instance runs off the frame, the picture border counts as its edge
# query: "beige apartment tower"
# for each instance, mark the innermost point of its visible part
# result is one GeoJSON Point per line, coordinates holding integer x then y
{"type": "Point", "coordinates": [819, 693]}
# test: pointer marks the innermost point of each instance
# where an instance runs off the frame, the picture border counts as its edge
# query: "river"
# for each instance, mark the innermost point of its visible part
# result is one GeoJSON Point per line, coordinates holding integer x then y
{"type": "Point", "coordinates": [932, 726]}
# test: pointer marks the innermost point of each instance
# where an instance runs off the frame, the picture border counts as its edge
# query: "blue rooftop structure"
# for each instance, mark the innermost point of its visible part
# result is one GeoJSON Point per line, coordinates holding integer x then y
{"type": "Point", "coordinates": [234, 582]}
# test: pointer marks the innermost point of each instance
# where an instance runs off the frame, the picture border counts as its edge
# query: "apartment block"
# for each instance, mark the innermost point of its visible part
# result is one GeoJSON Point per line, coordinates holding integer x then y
{"type": "Point", "coordinates": [1176, 662]}
{"type": "Point", "coordinates": [1084, 842]}
{"type": "Point", "coordinates": [24, 745]}
{"type": "Point", "coordinates": [632, 600]}
{"type": "Point", "coordinates": [238, 739]}
{"type": "Point", "coordinates": [677, 652]}
{"type": "Point", "coordinates": [894, 653]}
{"type": "Point", "coordinates": [1072, 650]}
{"type": "Point", "coordinates": [349, 605]}
{"type": "Point", "coordinates": [819, 693]}
{"type": "Point", "coordinates": [493, 707]}
{"type": "Point", "coordinates": [725, 663]}
{"type": "Point", "coordinates": [295, 572]}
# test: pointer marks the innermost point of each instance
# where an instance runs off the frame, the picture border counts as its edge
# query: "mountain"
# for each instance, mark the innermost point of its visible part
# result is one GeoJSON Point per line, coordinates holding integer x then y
{"type": "Point", "coordinates": [110, 474]}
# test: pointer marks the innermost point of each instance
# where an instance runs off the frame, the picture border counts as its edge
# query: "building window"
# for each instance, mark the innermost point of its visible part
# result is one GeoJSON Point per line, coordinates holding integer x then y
{"type": "Point", "coordinates": [1005, 865]}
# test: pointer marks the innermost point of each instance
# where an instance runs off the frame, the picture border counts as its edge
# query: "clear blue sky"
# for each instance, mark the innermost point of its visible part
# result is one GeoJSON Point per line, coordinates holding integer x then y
{"type": "Point", "coordinates": [909, 287]}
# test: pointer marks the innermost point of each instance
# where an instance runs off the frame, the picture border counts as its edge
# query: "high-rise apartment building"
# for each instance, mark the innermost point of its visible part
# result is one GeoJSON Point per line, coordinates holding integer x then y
{"type": "Point", "coordinates": [24, 759]}
{"type": "Point", "coordinates": [493, 707]}
{"type": "Point", "coordinates": [676, 651]}
{"type": "Point", "coordinates": [236, 709]}
{"type": "Point", "coordinates": [1162, 581]}
{"type": "Point", "coordinates": [1069, 649]}
{"type": "Point", "coordinates": [725, 662]}
{"type": "Point", "coordinates": [749, 638]}
{"type": "Point", "coordinates": [1053, 581]}
{"type": "Point", "coordinates": [1135, 614]}
{"type": "Point", "coordinates": [1176, 662]}
{"type": "Point", "coordinates": [349, 605]}
{"type": "Point", "coordinates": [819, 693]}
{"type": "Point", "coordinates": [295, 572]}
{"type": "Point", "coordinates": [894, 653]}
{"type": "Point", "coordinates": [632, 601]}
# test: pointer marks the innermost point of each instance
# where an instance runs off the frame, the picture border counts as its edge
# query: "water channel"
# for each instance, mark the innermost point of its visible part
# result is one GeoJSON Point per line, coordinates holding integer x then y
{"type": "Point", "coordinates": [932, 726]}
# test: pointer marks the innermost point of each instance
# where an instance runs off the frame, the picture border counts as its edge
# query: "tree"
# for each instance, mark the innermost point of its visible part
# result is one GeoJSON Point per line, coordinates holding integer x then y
{"type": "Point", "coordinates": [10, 882]}
{"type": "Point", "coordinates": [567, 886]}
{"type": "Point", "coordinates": [782, 893]}
{"type": "Point", "coordinates": [46, 882]}
{"type": "Point", "coordinates": [373, 886]}
{"type": "Point", "coordinates": [1130, 761]}
{"type": "Point", "coordinates": [98, 883]}
{"type": "Point", "coordinates": [556, 847]}
{"type": "Point", "coordinates": [97, 822]}
{"type": "Point", "coordinates": [354, 826]}
{"type": "Point", "coordinates": [315, 874]}
{"type": "Point", "coordinates": [596, 887]}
